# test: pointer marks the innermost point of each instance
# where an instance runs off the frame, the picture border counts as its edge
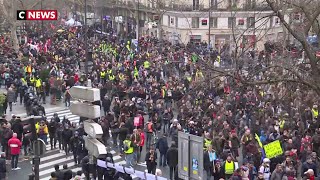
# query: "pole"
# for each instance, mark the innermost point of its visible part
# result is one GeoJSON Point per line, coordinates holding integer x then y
{"type": "Point", "coordinates": [138, 24]}
{"type": "Point", "coordinates": [101, 21]}
{"type": "Point", "coordinates": [209, 29]}
{"type": "Point", "coordinates": [41, 21]}
{"type": "Point", "coordinates": [36, 160]}
{"type": "Point", "coordinates": [86, 38]}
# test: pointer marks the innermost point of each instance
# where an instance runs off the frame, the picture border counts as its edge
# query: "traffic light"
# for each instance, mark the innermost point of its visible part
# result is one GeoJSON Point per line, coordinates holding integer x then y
{"type": "Point", "coordinates": [29, 128]}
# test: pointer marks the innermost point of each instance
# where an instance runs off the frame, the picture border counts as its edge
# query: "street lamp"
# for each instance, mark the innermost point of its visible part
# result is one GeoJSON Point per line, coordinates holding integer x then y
{"type": "Point", "coordinates": [86, 38]}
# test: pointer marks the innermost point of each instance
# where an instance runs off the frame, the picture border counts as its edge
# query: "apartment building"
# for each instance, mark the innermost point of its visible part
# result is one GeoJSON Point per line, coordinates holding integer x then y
{"type": "Point", "coordinates": [247, 23]}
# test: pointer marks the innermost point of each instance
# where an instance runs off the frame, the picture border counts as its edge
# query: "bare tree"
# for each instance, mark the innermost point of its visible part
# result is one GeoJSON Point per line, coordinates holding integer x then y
{"type": "Point", "coordinates": [282, 70]}
{"type": "Point", "coordinates": [8, 9]}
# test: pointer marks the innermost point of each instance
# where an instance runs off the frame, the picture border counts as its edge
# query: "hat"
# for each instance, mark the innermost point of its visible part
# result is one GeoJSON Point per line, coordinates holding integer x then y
{"type": "Point", "coordinates": [266, 160]}
{"type": "Point", "coordinates": [310, 172]}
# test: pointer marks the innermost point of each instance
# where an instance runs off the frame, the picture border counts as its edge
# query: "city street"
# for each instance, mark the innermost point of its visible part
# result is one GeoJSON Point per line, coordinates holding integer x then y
{"type": "Point", "coordinates": [56, 156]}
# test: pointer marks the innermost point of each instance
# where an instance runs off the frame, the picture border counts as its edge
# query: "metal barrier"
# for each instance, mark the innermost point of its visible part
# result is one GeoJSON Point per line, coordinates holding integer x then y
{"type": "Point", "coordinates": [137, 174]}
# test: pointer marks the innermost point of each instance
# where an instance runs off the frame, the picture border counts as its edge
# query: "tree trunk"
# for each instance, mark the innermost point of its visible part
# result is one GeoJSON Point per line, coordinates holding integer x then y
{"type": "Point", "coordinates": [14, 38]}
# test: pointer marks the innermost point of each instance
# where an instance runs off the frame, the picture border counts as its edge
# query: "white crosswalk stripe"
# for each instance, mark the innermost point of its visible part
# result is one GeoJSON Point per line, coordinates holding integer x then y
{"type": "Point", "coordinates": [61, 113]}
{"type": "Point", "coordinates": [56, 156]}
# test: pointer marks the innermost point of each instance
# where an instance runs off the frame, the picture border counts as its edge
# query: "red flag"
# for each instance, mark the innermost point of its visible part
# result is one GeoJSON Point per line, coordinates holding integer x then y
{"type": "Point", "coordinates": [45, 48]}
{"type": "Point", "coordinates": [52, 26]}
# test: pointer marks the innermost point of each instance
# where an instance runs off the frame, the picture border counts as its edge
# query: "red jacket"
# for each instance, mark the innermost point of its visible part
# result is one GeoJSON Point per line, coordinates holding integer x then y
{"type": "Point", "coordinates": [15, 145]}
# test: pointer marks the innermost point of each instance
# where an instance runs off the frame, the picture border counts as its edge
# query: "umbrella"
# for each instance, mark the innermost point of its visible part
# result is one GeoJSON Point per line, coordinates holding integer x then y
{"type": "Point", "coordinates": [60, 30]}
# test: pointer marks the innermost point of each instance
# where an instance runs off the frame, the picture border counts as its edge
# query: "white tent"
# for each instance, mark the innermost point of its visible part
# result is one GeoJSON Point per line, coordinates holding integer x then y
{"type": "Point", "coordinates": [73, 23]}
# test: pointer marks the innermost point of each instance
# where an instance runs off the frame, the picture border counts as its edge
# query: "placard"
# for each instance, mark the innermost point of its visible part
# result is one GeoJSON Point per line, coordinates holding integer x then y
{"type": "Point", "coordinates": [273, 149]}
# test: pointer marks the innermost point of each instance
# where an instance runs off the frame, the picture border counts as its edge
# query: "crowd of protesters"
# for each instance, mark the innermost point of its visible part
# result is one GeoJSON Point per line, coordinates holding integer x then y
{"type": "Point", "coordinates": [151, 92]}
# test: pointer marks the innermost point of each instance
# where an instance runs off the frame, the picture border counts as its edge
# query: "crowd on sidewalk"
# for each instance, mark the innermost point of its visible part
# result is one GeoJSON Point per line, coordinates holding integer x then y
{"type": "Point", "coordinates": [159, 82]}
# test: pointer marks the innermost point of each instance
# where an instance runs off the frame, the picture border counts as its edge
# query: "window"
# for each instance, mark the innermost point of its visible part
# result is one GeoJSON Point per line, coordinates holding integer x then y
{"type": "Point", "coordinates": [177, 21]}
{"type": "Point", "coordinates": [271, 21]}
{"type": "Point", "coordinates": [172, 20]}
{"type": "Point", "coordinates": [232, 3]}
{"type": "Point", "coordinates": [250, 4]}
{"type": "Point", "coordinates": [213, 22]}
{"type": "Point", "coordinates": [195, 22]}
{"type": "Point", "coordinates": [196, 5]}
{"type": "Point", "coordinates": [241, 22]}
{"type": "Point", "coordinates": [250, 22]}
{"type": "Point", "coordinates": [204, 22]}
{"type": "Point", "coordinates": [297, 17]}
{"type": "Point", "coordinates": [231, 22]}
{"type": "Point", "coordinates": [277, 21]}
{"type": "Point", "coordinates": [169, 20]}
{"type": "Point", "coordinates": [214, 4]}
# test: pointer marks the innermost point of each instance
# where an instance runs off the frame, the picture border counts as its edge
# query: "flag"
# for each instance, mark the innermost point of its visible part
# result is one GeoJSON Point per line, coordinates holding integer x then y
{"type": "Point", "coordinates": [52, 26]}
{"type": "Point", "coordinates": [258, 140]}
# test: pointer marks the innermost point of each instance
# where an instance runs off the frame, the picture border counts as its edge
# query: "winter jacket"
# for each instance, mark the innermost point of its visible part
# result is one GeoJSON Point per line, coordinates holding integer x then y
{"type": "Point", "coordinates": [15, 145]}
{"type": "Point", "coordinates": [162, 145]}
{"type": "Point", "coordinates": [172, 156]}
{"type": "Point", "coordinates": [11, 95]}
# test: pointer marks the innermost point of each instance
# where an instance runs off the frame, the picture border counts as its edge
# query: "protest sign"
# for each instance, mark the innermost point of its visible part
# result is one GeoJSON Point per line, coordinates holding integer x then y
{"type": "Point", "coordinates": [273, 149]}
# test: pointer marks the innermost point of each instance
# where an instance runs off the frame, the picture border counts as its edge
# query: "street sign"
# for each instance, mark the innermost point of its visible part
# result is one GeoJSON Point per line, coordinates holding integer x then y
{"type": "Point", "coordinates": [85, 110]}
{"type": "Point", "coordinates": [85, 93]}
{"type": "Point", "coordinates": [94, 130]}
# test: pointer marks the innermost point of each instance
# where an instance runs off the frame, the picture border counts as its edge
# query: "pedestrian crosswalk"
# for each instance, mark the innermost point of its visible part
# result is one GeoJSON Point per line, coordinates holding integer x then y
{"type": "Point", "coordinates": [65, 112]}
{"type": "Point", "coordinates": [56, 156]}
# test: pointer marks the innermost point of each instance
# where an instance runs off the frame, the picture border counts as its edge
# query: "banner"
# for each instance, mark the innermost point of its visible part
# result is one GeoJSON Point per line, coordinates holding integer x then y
{"type": "Point", "coordinates": [273, 149]}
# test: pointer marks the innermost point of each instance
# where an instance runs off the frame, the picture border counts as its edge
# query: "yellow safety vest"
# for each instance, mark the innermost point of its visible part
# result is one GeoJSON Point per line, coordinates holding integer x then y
{"type": "Point", "coordinates": [229, 168]}
{"type": "Point", "coordinates": [281, 124]}
{"type": "Point", "coordinates": [111, 77]}
{"type": "Point", "coordinates": [189, 79]}
{"type": "Point", "coordinates": [38, 83]}
{"type": "Point", "coordinates": [121, 76]}
{"type": "Point", "coordinates": [207, 143]}
{"type": "Point", "coordinates": [109, 71]}
{"type": "Point", "coordinates": [315, 113]}
{"type": "Point", "coordinates": [23, 81]}
{"type": "Point", "coordinates": [199, 74]}
{"type": "Point", "coordinates": [102, 74]}
{"type": "Point", "coordinates": [130, 149]}
{"type": "Point", "coordinates": [146, 64]}
{"type": "Point", "coordinates": [32, 80]}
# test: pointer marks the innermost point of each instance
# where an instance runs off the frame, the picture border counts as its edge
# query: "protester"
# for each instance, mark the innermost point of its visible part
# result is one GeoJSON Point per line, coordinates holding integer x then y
{"type": "Point", "coordinates": [15, 145]}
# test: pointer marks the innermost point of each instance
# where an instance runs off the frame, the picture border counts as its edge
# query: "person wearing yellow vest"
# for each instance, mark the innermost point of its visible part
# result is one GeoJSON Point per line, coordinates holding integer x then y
{"type": "Point", "coordinates": [146, 64]}
{"type": "Point", "coordinates": [32, 81]}
{"type": "Point", "coordinates": [128, 150]}
{"type": "Point", "coordinates": [199, 74]}
{"type": "Point", "coordinates": [315, 112]}
{"type": "Point", "coordinates": [207, 142]}
{"type": "Point", "coordinates": [24, 82]}
{"type": "Point", "coordinates": [121, 76]}
{"type": "Point", "coordinates": [111, 77]}
{"type": "Point", "coordinates": [228, 167]}
{"type": "Point", "coordinates": [109, 71]}
{"type": "Point", "coordinates": [102, 76]}
{"type": "Point", "coordinates": [38, 83]}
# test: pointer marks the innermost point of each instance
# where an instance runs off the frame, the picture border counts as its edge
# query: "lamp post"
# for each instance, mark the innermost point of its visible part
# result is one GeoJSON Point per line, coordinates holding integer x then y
{"type": "Point", "coordinates": [86, 38]}
{"type": "Point", "coordinates": [138, 24]}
